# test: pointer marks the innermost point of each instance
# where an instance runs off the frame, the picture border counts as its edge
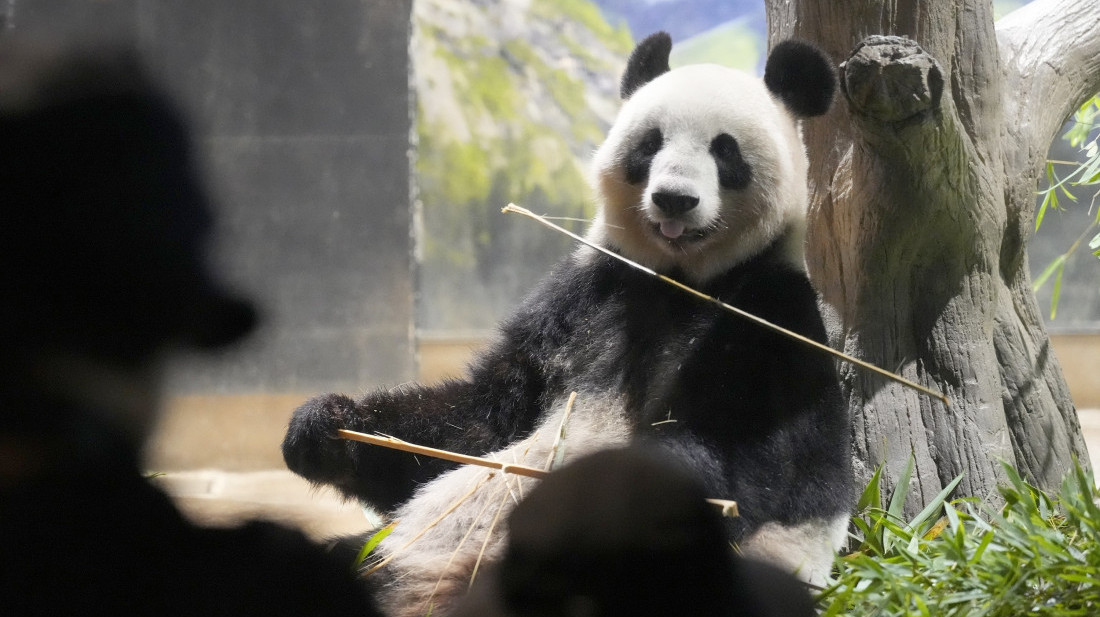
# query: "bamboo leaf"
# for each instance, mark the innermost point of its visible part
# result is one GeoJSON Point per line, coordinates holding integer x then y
{"type": "Point", "coordinates": [871, 494]}
{"type": "Point", "coordinates": [1090, 169]}
{"type": "Point", "coordinates": [1049, 270]}
{"type": "Point", "coordinates": [987, 539]}
{"type": "Point", "coordinates": [1035, 554]}
{"type": "Point", "coordinates": [1057, 292]}
{"type": "Point", "coordinates": [901, 490]}
{"type": "Point", "coordinates": [372, 543]}
{"type": "Point", "coordinates": [934, 506]}
{"type": "Point", "coordinates": [1048, 196]}
{"type": "Point", "coordinates": [1063, 187]}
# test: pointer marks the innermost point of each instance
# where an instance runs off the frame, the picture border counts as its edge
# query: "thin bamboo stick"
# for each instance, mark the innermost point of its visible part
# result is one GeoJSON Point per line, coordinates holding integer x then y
{"type": "Point", "coordinates": [557, 453]}
{"type": "Point", "coordinates": [397, 444]}
{"type": "Point", "coordinates": [794, 335]}
{"type": "Point", "coordinates": [729, 508]}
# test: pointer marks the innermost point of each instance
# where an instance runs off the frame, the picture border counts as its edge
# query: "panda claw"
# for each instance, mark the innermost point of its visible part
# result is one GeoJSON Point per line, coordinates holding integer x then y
{"type": "Point", "coordinates": [311, 447]}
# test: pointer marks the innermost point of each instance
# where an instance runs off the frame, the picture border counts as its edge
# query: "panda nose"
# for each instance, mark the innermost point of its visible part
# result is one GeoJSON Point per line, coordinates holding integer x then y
{"type": "Point", "coordinates": [674, 203]}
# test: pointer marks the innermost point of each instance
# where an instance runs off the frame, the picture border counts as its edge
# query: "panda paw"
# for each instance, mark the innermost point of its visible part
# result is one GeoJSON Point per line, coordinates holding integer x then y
{"type": "Point", "coordinates": [312, 448]}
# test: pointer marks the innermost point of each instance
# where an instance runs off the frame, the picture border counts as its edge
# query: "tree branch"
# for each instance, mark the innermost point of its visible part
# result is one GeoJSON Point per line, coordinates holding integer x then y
{"type": "Point", "coordinates": [1050, 63]}
{"type": "Point", "coordinates": [1050, 54]}
{"type": "Point", "coordinates": [891, 79]}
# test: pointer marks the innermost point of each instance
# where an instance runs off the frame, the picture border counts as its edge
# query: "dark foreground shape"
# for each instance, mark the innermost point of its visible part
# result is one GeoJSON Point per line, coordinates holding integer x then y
{"type": "Point", "coordinates": [103, 230]}
{"type": "Point", "coordinates": [626, 532]}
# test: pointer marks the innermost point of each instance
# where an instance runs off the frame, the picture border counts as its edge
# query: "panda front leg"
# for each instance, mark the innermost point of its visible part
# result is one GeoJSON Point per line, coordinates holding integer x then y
{"type": "Point", "coordinates": [379, 476]}
{"type": "Point", "coordinates": [499, 402]}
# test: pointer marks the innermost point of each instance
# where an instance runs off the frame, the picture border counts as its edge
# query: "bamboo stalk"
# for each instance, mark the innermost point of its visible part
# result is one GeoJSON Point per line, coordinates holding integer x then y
{"type": "Point", "coordinates": [455, 457]}
{"type": "Point", "coordinates": [557, 452]}
{"type": "Point", "coordinates": [788, 333]}
{"type": "Point", "coordinates": [729, 508]}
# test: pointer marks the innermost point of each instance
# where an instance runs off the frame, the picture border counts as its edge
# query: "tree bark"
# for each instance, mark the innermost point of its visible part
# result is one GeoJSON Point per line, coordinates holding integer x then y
{"type": "Point", "coordinates": [922, 186]}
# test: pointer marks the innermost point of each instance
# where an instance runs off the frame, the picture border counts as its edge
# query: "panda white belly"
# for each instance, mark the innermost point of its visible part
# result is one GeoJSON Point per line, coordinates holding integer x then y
{"type": "Point", "coordinates": [433, 560]}
{"type": "Point", "coordinates": [807, 549]}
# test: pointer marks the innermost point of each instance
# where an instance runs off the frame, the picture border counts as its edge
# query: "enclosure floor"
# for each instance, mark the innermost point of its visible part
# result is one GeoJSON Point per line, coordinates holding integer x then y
{"type": "Point", "coordinates": [225, 498]}
{"type": "Point", "coordinates": [222, 498]}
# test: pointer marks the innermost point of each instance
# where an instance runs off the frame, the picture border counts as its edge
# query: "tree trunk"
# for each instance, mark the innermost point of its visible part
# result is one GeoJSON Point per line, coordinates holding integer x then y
{"type": "Point", "coordinates": [922, 185]}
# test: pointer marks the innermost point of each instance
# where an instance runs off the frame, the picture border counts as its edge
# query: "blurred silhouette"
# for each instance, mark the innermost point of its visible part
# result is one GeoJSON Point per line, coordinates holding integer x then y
{"type": "Point", "coordinates": [103, 226]}
{"type": "Point", "coordinates": [623, 533]}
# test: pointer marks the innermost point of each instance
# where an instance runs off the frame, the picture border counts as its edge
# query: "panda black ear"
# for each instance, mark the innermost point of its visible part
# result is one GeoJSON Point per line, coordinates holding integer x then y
{"type": "Point", "coordinates": [648, 60]}
{"type": "Point", "coordinates": [802, 76]}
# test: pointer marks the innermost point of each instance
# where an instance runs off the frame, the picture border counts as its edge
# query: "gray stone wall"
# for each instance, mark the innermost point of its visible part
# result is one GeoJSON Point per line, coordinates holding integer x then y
{"type": "Point", "coordinates": [301, 117]}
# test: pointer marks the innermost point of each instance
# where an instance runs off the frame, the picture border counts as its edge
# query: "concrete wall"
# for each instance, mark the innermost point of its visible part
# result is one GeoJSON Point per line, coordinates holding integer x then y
{"type": "Point", "coordinates": [301, 112]}
{"type": "Point", "coordinates": [1079, 356]}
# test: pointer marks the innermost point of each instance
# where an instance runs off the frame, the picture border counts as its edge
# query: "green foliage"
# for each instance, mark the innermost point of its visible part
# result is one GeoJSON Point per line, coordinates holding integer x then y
{"type": "Point", "coordinates": [588, 14]}
{"type": "Point", "coordinates": [1037, 555]}
{"type": "Point", "coordinates": [732, 44]}
{"type": "Point", "coordinates": [1084, 124]}
{"type": "Point", "coordinates": [484, 77]}
{"type": "Point", "coordinates": [1084, 135]}
{"type": "Point", "coordinates": [567, 92]}
{"type": "Point", "coordinates": [478, 147]}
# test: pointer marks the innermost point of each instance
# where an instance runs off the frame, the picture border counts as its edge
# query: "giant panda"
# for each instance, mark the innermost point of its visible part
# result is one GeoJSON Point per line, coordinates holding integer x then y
{"type": "Point", "coordinates": [702, 177]}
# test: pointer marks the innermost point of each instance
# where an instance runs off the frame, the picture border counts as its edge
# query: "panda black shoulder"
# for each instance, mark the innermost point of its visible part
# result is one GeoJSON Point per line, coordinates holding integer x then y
{"type": "Point", "coordinates": [769, 286]}
{"type": "Point", "coordinates": [570, 297]}
{"type": "Point", "coordinates": [572, 286]}
{"type": "Point", "coordinates": [785, 297]}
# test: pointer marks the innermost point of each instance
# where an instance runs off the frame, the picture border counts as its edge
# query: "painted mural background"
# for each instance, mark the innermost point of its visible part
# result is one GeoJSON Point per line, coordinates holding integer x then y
{"type": "Point", "coordinates": [512, 96]}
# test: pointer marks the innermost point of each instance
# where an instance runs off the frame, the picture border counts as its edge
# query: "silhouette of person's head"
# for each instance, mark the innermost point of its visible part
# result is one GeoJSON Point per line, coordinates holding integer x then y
{"type": "Point", "coordinates": [627, 532]}
{"type": "Point", "coordinates": [104, 226]}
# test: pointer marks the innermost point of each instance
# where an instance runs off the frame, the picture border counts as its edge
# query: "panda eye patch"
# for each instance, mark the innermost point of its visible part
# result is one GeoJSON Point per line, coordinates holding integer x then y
{"type": "Point", "coordinates": [733, 171]}
{"type": "Point", "coordinates": [652, 142]}
{"type": "Point", "coordinates": [641, 155]}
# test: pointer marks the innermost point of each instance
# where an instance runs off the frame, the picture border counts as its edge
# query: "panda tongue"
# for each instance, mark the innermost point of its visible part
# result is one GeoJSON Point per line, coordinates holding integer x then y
{"type": "Point", "coordinates": [672, 229]}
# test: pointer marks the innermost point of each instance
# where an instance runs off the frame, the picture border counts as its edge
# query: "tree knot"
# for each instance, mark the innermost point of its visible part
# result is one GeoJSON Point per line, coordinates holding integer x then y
{"type": "Point", "coordinates": [891, 79]}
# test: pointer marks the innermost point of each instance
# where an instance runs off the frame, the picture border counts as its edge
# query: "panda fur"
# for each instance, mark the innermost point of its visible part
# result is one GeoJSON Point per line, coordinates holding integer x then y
{"type": "Point", "coordinates": [436, 571]}
{"type": "Point", "coordinates": [702, 178]}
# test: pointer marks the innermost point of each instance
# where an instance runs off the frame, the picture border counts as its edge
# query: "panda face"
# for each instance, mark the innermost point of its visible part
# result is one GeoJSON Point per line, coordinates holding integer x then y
{"type": "Point", "coordinates": [702, 169]}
